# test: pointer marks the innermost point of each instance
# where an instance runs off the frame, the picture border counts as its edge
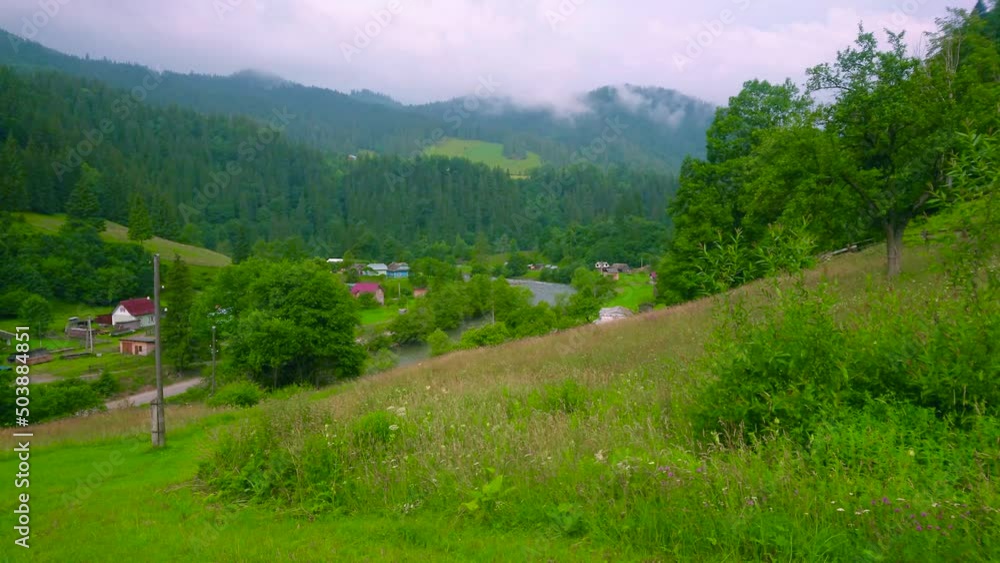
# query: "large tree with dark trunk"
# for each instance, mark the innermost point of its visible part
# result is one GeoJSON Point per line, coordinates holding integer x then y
{"type": "Point", "coordinates": [890, 126]}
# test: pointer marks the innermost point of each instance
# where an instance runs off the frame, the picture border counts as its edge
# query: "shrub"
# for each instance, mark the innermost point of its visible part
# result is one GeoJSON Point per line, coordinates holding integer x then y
{"type": "Point", "coordinates": [238, 394]}
{"type": "Point", "coordinates": [63, 398]}
{"type": "Point", "coordinates": [380, 361]}
{"type": "Point", "coordinates": [486, 335]}
{"type": "Point", "coordinates": [795, 362]}
{"type": "Point", "coordinates": [107, 385]}
{"type": "Point", "coordinates": [440, 343]}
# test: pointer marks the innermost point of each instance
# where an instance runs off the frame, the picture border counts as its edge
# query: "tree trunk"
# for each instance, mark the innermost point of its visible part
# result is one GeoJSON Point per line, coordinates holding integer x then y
{"type": "Point", "coordinates": [894, 229]}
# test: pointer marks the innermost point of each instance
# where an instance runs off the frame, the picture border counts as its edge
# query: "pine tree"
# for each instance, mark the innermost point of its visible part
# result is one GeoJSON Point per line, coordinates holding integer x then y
{"type": "Point", "coordinates": [178, 334]}
{"type": "Point", "coordinates": [140, 226]}
{"type": "Point", "coordinates": [242, 247]}
{"type": "Point", "coordinates": [82, 208]}
{"type": "Point", "coordinates": [164, 218]}
{"type": "Point", "coordinates": [13, 185]}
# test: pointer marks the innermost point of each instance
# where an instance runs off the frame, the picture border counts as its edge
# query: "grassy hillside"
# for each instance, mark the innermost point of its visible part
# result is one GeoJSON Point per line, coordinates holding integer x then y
{"type": "Point", "coordinates": [490, 154]}
{"type": "Point", "coordinates": [590, 429]}
{"type": "Point", "coordinates": [114, 232]}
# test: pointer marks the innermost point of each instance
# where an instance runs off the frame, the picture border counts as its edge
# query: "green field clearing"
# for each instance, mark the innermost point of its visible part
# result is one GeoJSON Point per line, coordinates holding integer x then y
{"type": "Point", "coordinates": [632, 290]}
{"type": "Point", "coordinates": [490, 154]}
{"type": "Point", "coordinates": [114, 232]}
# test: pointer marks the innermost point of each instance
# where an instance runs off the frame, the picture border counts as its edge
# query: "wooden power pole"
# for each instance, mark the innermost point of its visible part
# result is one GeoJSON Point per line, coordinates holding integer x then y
{"type": "Point", "coordinates": [159, 427]}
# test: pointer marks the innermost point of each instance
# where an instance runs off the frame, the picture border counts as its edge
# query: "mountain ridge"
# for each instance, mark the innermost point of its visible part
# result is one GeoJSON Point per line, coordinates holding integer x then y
{"type": "Point", "coordinates": [662, 126]}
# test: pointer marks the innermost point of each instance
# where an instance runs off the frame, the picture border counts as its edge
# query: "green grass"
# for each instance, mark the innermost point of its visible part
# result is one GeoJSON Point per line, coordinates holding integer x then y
{"type": "Point", "coordinates": [632, 290]}
{"type": "Point", "coordinates": [590, 428]}
{"type": "Point", "coordinates": [378, 315]}
{"type": "Point", "coordinates": [114, 232]}
{"type": "Point", "coordinates": [490, 154]}
{"type": "Point", "coordinates": [115, 499]}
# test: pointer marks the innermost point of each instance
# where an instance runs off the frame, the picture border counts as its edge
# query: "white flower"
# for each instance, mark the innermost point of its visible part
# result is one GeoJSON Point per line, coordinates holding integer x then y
{"type": "Point", "coordinates": [840, 510]}
{"type": "Point", "coordinates": [394, 427]}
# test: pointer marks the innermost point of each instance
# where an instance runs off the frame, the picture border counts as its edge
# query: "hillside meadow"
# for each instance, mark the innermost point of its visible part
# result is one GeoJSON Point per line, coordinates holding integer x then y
{"type": "Point", "coordinates": [490, 154]}
{"type": "Point", "coordinates": [582, 445]}
{"type": "Point", "coordinates": [113, 232]}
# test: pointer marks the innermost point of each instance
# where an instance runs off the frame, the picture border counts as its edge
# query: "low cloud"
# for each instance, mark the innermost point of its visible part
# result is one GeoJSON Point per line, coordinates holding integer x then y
{"type": "Point", "coordinates": [436, 49]}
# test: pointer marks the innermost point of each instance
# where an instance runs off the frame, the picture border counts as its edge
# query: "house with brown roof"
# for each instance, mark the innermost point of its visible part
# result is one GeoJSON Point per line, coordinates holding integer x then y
{"type": "Point", "coordinates": [133, 314]}
{"type": "Point", "coordinates": [137, 345]}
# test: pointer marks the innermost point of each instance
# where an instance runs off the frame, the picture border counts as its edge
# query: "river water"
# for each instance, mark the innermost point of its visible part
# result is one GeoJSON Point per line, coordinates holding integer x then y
{"type": "Point", "coordinates": [540, 291]}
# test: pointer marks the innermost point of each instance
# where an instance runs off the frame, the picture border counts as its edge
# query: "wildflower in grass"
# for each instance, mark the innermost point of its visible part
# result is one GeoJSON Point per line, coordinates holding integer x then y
{"type": "Point", "coordinates": [919, 529]}
{"type": "Point", "coordinates": [840, 510]}
{"type": "Point", "coordinates": [885, 500]}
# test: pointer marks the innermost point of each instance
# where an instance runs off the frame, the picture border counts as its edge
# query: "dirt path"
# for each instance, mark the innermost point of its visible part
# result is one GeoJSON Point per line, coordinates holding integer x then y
{"type": "Point", "coordinates": [146, 397]}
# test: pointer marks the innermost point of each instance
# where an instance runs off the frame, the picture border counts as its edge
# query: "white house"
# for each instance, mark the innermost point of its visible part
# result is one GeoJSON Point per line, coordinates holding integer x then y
{"type": "Point", "coordinates": [376, 269]}
{"type": "Point", "coordinates": [133, 314]}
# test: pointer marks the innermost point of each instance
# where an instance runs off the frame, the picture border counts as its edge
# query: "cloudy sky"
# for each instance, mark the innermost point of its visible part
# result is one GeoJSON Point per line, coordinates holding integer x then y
{"type": "Point", "coordinates": [423, 50]}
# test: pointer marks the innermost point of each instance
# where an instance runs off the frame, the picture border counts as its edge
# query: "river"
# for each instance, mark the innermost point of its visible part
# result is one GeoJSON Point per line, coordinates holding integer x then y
{"type": "Point", "coordinates": [540, 291]}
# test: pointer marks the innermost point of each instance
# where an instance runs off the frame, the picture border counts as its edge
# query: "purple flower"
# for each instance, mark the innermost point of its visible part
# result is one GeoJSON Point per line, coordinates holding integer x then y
{"type": "Point", "coordinates": [885, 500]}
{"type": "Point", "coordinates": [923, 515]}
{"type": "Point", "coordinates": [919, 529]}
{"type": "Point", "coordinates": [701, 469]}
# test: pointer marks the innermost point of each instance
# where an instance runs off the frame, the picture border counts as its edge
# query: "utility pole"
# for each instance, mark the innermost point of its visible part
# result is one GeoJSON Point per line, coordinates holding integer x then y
{"type": "Point", "coordinates": [159, 427]}
{"type": "Point", "coordinates": [90, 336]}
{"type": "Point", "coordinates": [213, 360]}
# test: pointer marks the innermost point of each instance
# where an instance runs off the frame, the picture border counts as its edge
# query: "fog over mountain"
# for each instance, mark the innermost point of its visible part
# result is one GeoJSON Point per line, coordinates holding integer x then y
{"type": "Point", "coordinates": [537, 51]}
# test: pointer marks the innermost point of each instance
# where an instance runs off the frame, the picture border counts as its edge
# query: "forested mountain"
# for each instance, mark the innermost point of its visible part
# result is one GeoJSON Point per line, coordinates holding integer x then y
{"type": "Point", "coordinates": [658, 127]}
{"type": "Point", "coordinates": [226, 181]}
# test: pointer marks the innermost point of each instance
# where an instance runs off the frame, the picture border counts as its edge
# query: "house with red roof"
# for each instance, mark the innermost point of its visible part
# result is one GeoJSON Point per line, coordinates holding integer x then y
{"type": "Point", "coordinates": [359, 289]}
{"type": "Point", "coordinates": [133, 314]}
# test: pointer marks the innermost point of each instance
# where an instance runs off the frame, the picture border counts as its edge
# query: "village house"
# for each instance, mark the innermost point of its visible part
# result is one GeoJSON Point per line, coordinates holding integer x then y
{"type": "Point", "coordinates": [376, 269]}
{"type": "Point", "coordinates": [137, 345]}
{"type": "Point", "coordinates": [359, 289]}
{"type": "Point", "coordinates": [419, 292]}
{"type": "Point", "coordinates": [398, 270]}
{"type": "Point", "coordinates": [7, 338]}
{"type": "Point", "coordinates": [134, 314]}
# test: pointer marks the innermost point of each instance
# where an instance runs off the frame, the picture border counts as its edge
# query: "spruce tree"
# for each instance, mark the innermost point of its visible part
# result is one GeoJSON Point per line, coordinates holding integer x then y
{"type": "Point", "coordinates": [13, 184]}
{"type": "Point", "coordinates": [164, 218]}
{"type": "Point", "coordinates": [178, 334]}
{"type": "Point", "coordinates": [82, 208]}
{"type": "Point", "coordinates": [140, 226]}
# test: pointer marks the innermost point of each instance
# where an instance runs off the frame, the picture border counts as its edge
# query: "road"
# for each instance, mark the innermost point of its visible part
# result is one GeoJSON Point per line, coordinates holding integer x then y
{"type": "Point", "coordinates": [146, 397]}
